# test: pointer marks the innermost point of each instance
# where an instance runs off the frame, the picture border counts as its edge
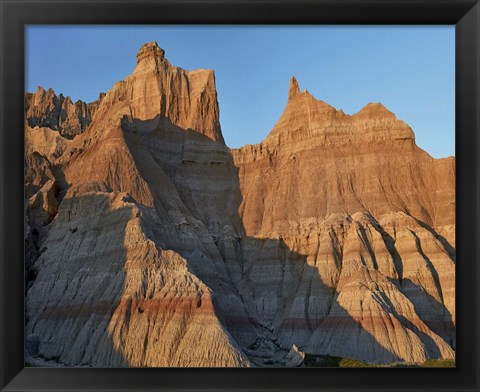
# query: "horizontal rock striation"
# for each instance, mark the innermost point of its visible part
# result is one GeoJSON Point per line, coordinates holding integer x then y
{"type": "Point", "coordinates": [151, 243]}
{"type": "Point", "coordinates": [373, 217]}
{"type": "Point", "coordinates": [115, 298]}
{"type": "Point", "coordinates": [149, 282]}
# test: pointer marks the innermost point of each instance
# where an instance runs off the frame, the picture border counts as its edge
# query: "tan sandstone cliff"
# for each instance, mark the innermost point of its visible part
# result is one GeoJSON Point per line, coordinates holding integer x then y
{"type": "Point", "coordinates": [150, 243]}
{"type": "Point", "coordinates": [46, 109]}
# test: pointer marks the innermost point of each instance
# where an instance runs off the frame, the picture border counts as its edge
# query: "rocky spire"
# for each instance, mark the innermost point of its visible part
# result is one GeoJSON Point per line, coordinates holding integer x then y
{"type": "Point", "coordinates": [294, 89]}
{"type": "Point", "coordinates": [150, 50]}
{"type": "Point", "coordinates": [44, 108]}
{"type": "Point", "coordinates": [157, 89]}
{"type": "Point", "coordinates": [151, 57]}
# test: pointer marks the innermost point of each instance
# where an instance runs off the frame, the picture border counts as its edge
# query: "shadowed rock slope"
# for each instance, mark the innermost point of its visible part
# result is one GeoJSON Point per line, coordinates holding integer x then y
{"type": "Point", "coordinates": [151, 243]}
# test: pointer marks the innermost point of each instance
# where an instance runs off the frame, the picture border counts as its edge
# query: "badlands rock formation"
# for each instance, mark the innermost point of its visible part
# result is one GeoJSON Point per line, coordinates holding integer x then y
{"type": "Point", "coordinates": [151, 243]}
{"type": "Point", "coordinates": [46, 109]}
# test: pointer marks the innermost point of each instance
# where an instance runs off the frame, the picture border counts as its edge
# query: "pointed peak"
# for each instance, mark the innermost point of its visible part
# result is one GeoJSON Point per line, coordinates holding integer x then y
{"type": "Point", "coordinates": [377, 105]}
{"type": "Point", "coordinates": [375, 109]}
{"type": "Point", "coordinates": [45, 94]}
{"type": "Point", "coordinates": [294, 89]}
{"type": "Point", "coordinates": [150, 50]}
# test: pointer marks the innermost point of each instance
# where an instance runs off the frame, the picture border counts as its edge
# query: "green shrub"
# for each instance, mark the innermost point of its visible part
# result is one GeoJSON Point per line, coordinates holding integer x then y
{"type": "Point", "coordinates": [312, 360]}
{"type": "Point", "coordinates": [436, 363]}
{"type": "Point", "coordinates": [350, 362]}
{"type": "Point", "coordinates": [403, 365]}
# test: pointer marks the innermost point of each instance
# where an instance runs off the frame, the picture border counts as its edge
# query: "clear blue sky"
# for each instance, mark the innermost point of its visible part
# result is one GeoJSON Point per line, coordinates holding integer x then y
{"type": "Point", "coordinates": [409, 69]}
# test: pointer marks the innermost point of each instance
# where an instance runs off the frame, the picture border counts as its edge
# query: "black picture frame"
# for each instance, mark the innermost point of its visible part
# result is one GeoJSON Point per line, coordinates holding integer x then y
{"type": "Point", "coordinates": [464, 14]}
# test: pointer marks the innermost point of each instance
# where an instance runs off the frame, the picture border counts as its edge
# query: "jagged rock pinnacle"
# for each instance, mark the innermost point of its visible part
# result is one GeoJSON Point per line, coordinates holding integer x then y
{"type": "Point", "coordinates": [294, 89]}
{"type": "Point", "coordinates": [150, 50]}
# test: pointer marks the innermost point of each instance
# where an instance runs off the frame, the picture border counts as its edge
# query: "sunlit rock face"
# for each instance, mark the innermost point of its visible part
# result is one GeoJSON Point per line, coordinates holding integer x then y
{"type": "Point", "coordinates": [372, 216]}
{"type": "Point", "coordinates": [151, 243]}
{"type": "Point", "coordinates": [46, 109]}
{"type": "Point", "coordinates": [128, 273]}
